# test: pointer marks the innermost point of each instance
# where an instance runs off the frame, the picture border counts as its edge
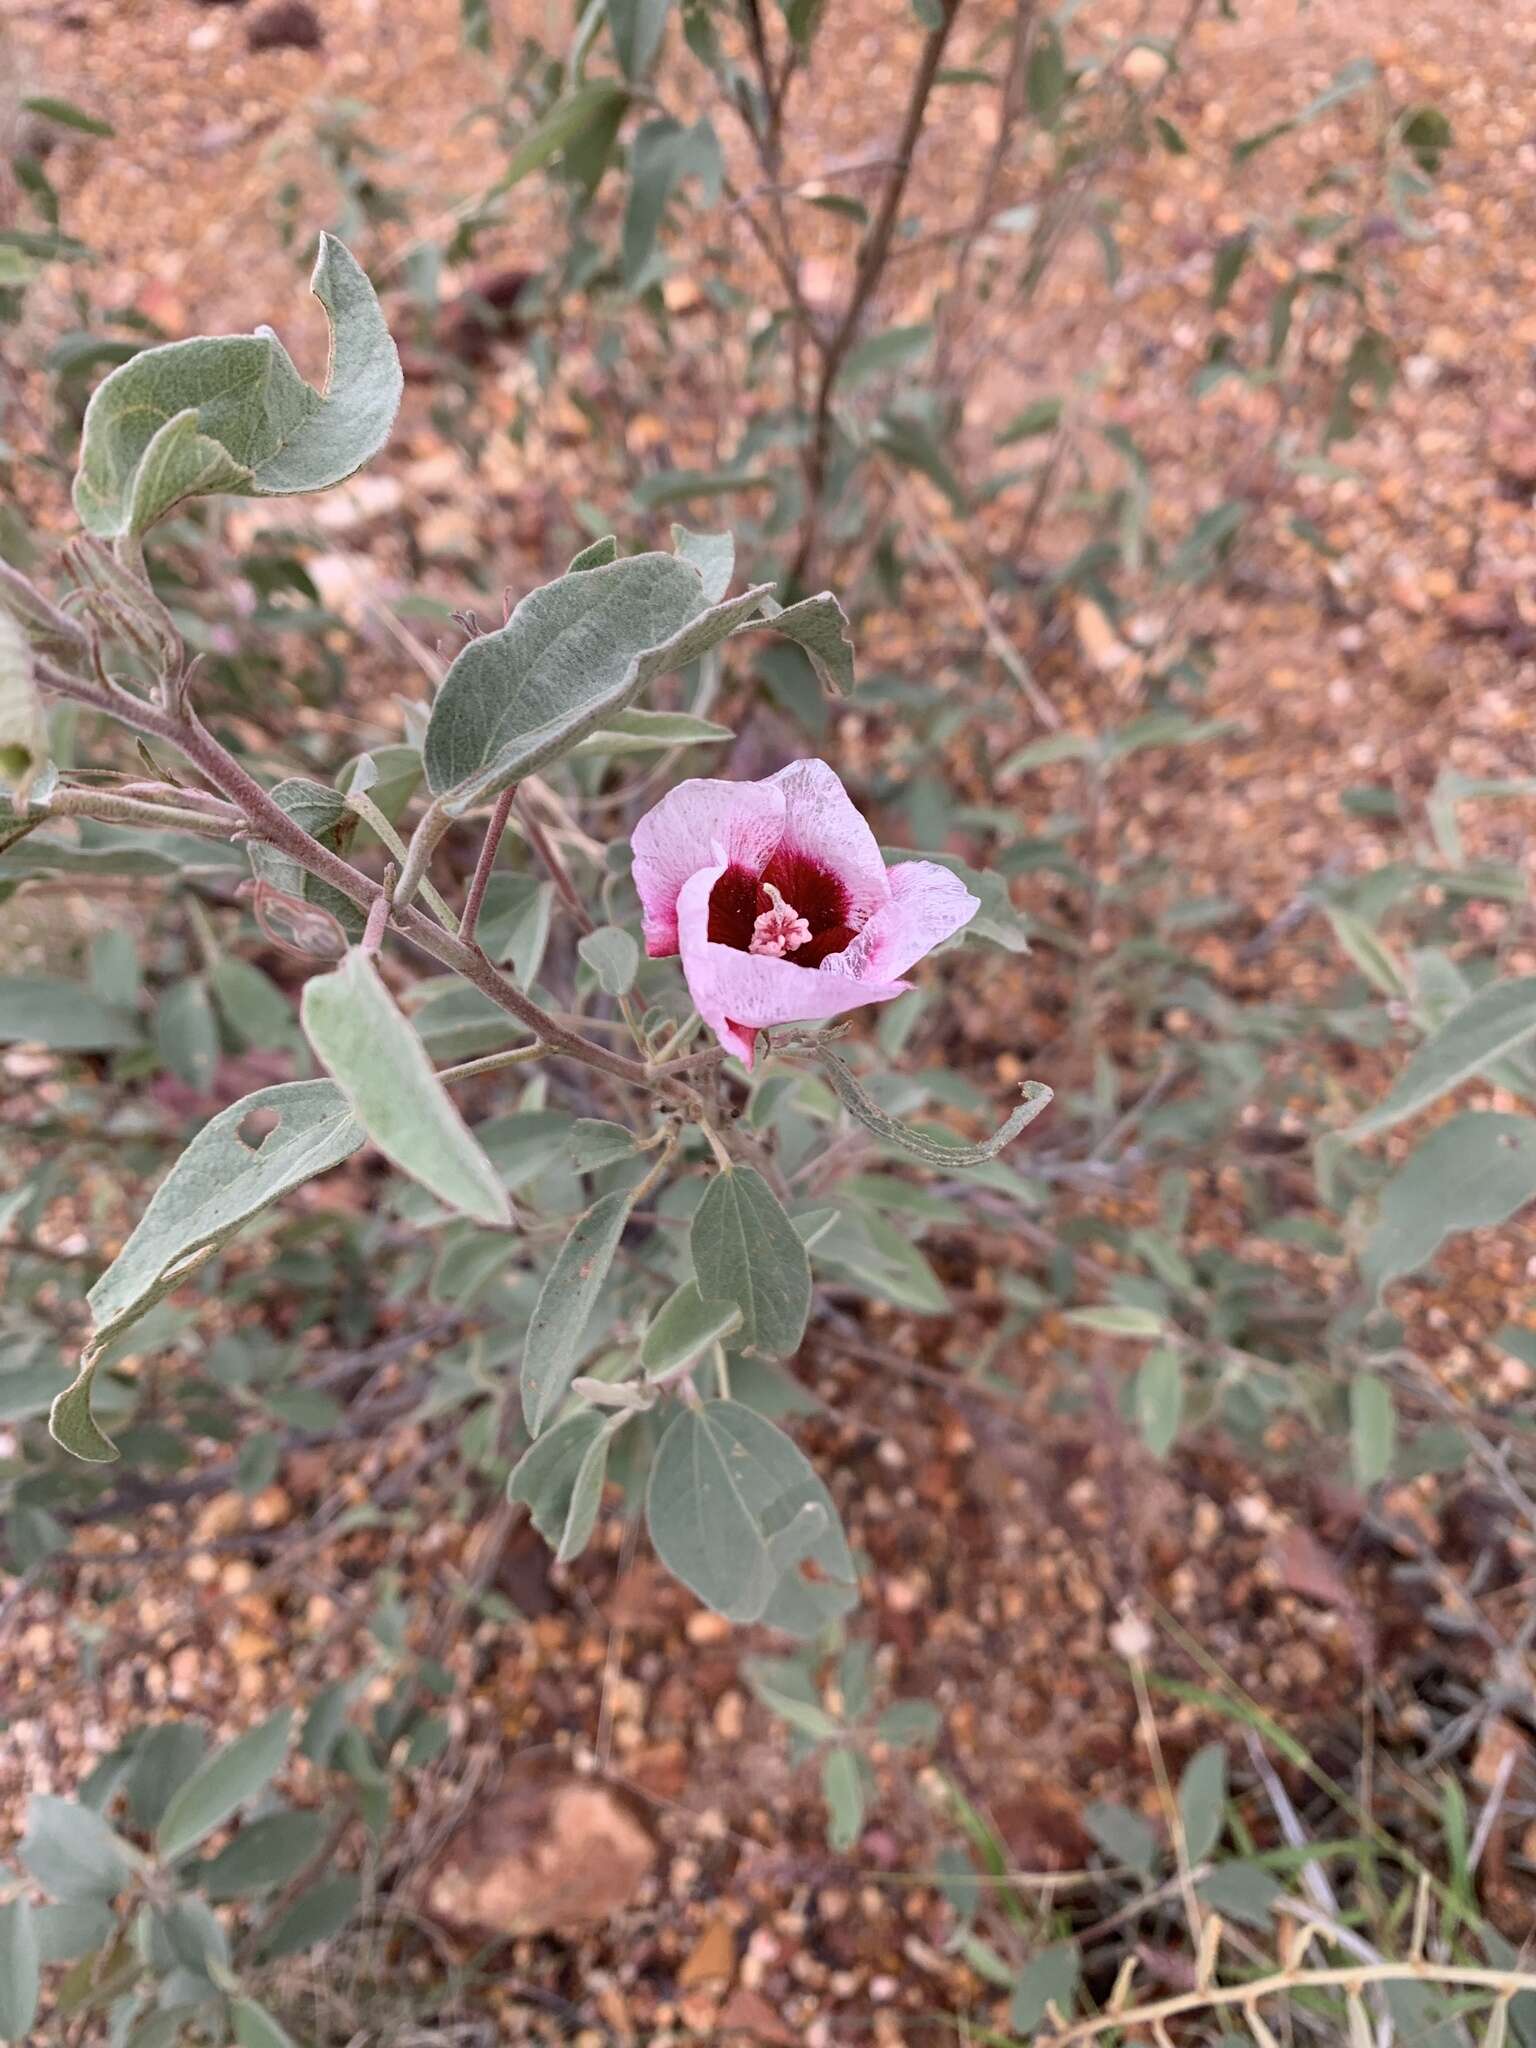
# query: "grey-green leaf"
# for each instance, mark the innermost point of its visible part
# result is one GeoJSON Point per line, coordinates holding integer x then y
{"type": "Point", "coordinates": [219, 1787]}
{"type": "Point", "coordinates": [842, 1785]}
{"type": "Point", "coordinates": [590, 108]}
{"type": "Point", "coordinates": [1487, 1028]}
{"type": "Point", "coordinates": [72, 1852]}
{"type": "Point", "coordinates": [255, 2027]}
{"type": "Point", "coordinates": [23, 728]}
{"type": "Point", "coordinates": [546, 1475]}
{"type": "Point", "coordinates": [1475, 1170]}
{"type": "Point", "coordinates": [19, 1969]}
{"type": "Point", "coordinates": [61, 1016]}
{"type": "Point", "coordinates": [712, 554]}
{"type": "Point", "coordinates": [554, 1345]}
{"type": "Point", "coordinates": [1372, 1428]}
{"type": "Point", "coordinates": [684, 1328]}
{"type": "Point", "coordinates": [734, 1510]}
{"type": "Point", "coordinates": [162, 1764]}
{"type": "Point", "coordinates": [613, 955]}
{"type": "Point", "coordinates": [637, 27]}
{"type": "Point", "coordinates": [239, 1162]}
{"type": "Point", "coordinates": [1159, 1398]}
{"type": "Point", "coordinates": [382, 1068]}
{"type": "Point", "coordinates": [265, 1853]}
{"type": "Point", "coordinates": [747, 1251]}
{"type": "Point", "coordinates": [1203, 1800]}
{"type": "Point", "coordinates": [315, 1915]}
{"type": "Point", "coordinates": [651, 732]}
{"type": "Point", "coordinates": [819, 627]}
{"type": "Point", "coordinates": [231, 413]}
{"type": "Point", "coordinates": [572, 654]}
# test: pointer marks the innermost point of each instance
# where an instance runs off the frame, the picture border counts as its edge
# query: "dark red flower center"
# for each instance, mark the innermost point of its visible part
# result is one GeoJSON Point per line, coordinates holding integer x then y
{"type": "Point", "coordinates": [742, 905]}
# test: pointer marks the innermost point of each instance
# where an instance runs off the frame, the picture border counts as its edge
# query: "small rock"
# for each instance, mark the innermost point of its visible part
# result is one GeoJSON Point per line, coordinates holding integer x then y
{"type": "Point", "coordinates": [550, 1850]}
{"type": "Point", "coordinates": [285, 25]}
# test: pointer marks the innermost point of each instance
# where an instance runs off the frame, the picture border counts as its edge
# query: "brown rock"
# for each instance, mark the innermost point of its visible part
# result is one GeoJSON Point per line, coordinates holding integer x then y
{"type": "Point", "coordinates": [712, 1957]}
{"type": "Point", "coordinates": [748, 2012]}
{"type": "Point", "coordinates": [285, 25]}
{"type": "Point", "coordinates": [551, 1850]}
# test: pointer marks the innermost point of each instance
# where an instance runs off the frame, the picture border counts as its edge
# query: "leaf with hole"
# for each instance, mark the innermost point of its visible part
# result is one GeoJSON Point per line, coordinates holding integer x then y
{"type": "Point", "coordinates": [747, 1251]}
{"type": "Point", "coordinates": [382, 1068]}
{"type": "Point", "coordinates": [231, 413]}
{"type": "Point", "coordinates": [734, 1511]}
{"type": "Point", "coordinates": [1478, 1169]}
{"type": "Point", "coordinates": [238, 1164]}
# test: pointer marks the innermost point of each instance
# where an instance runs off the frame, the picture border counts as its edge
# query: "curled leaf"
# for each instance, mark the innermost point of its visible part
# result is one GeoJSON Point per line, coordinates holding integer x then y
{"type": "Point", "coordinates": [932, 1151]}
{"type": "Point", "coordinates": [230, 413]}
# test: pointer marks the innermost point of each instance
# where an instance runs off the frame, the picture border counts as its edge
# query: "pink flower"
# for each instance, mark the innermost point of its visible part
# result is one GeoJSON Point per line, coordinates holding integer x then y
{"type": "Point", "coordinates": [777, 898]}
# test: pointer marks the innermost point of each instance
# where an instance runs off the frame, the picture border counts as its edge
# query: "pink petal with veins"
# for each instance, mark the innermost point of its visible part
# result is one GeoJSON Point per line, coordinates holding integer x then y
{"type": "Point", "coordinates": [738, 824]}
{"type": "Point", "coordinates": [822, 824]}
{"type": "Point", "coordinates": [928, 904]}
{"type": "Point", "coordinates": [738, 993]}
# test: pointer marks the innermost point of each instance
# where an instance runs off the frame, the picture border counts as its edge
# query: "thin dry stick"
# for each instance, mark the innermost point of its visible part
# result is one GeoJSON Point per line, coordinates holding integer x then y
{"type": "Point", "coordinates": [933, 542]}
{"type": "Point", "coordinates": [1175, 1819]}
{"type": "Point", "coordinates": [871, 265]}
{"type": "Point", "coordinates": [1501, 1984]}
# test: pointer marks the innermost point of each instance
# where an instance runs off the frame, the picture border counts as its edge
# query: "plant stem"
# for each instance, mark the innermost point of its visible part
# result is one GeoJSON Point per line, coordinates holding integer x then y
{"type": "Point", "coordinates": [482, 875]}
{"type": "Point", "coordinates": [493, 1062]}
{"type": "Point", "coordinates": [871, 265]}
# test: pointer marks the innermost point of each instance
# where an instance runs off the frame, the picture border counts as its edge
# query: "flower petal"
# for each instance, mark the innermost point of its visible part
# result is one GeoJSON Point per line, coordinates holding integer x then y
{"type": "Point", "coordinates": [738, 993]}
{"type": "Point", "coordinates": [927, 904]}
{"type": "Point", "coordinates": [822, 825]}
{"type": "Point", "coordinates": [699, 823]}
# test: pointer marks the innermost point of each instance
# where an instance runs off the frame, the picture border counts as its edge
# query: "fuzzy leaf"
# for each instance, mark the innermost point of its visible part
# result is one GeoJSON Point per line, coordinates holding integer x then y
{"type": "Point", "coordinates": [564, 1307]}
{"type": "Point", "coordinates": [1475, 1170]}
{"type": "Point", "coordinates": [381, 1066]}
{"type": "Point", "coordinates": [231, 413]}
{"type": "Point", "coordinates": [747, 1251]}
{"type": "Point", "coordinates": [613, 956]}
{"type": "Point", "coordinates": [819, 627]}
{"type": "Point", "coordinates": [219, 1787]}
{"type": "Point", "coordinates": [1491, 1025]}
{"type": "Point", "coordinates": [572, 654]}
{"type": "Point", "coordinates": [734, 1510]}
{"type": "Point", "coordinates": [62, 1016]}
{"type": "Point", "coordinates": [222, 1179]}
{"type": "Point", "coordinates": [684, 1328]}
{"type": "Point", "coordinates": [23, 728]}
{"type": "Point", "coordinates": [19, 1970]}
